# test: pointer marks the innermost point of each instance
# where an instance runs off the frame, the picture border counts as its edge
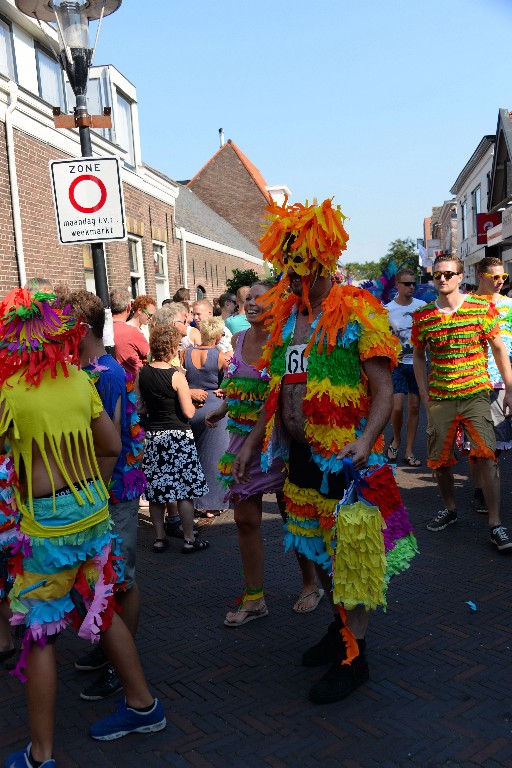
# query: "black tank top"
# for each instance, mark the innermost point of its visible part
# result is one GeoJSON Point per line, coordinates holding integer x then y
{"type": "Point", "coordinates": [162, 402]}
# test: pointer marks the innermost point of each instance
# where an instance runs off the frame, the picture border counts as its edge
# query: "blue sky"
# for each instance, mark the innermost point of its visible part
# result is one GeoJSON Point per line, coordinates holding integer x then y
{"type": "Point", "coordinates": [379, 104]}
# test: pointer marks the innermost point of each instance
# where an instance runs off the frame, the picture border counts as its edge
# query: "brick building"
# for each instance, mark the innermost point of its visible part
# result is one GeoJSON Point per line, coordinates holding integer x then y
{"type": "Point", "coordinates": [235, 189]}
{"type": "Point", "coordinates": [153, 258]}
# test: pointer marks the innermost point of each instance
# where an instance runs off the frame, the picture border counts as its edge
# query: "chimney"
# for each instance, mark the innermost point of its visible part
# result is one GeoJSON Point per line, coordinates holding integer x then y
{"type": "Point", "coordinates": [221, 137]}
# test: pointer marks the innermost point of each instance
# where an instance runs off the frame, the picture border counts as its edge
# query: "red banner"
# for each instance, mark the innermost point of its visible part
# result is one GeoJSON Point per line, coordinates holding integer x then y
{"type": "Point", "coordinates": [485, 221]}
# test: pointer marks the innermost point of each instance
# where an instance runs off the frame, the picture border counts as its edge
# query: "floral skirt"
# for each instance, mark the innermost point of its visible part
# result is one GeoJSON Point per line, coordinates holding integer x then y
{"type": "Point", "coordinates": [172, 466]}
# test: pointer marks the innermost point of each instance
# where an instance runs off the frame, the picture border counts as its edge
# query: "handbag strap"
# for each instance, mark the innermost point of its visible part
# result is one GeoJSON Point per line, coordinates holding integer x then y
{"type": "Point", "coordinates": [351, 474]}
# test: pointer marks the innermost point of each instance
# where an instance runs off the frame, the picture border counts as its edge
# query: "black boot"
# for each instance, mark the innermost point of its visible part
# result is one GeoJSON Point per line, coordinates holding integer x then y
{"type": "Point", "coordinates": [341, 679]}
{"type": "Point", "coordinates": [330, 648]}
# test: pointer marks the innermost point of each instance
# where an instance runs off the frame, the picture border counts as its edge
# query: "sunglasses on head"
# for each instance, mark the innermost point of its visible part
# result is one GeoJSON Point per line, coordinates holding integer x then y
{"type": "Point", "coordinates": [500, 276]}
{"type": "Point", "coordinates": [446, 274]}
{"type": "Point", "coordinates": [408, 283]}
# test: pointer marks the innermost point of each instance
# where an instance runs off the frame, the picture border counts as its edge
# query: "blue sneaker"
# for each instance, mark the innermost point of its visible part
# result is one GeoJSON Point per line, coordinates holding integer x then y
{"type": "Point", "coordinates": [21, 760]}
{"type": "Point", "coordinates": [125, 720]}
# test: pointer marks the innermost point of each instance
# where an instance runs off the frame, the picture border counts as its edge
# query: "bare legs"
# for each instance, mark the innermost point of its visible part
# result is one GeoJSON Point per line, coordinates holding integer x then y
{"type": "Point", "coordinates": [185, 511]}
{"type": "Point", "coordinates": [6, 641]}
{"type": "Point", "coordinates": [486, 471]}
{"type": "Point", "coordinates": [397, 415]}
{"type": "Point", "coordinates": [248, 521]}
{"type": "Point", "coordinates": [357, 618]}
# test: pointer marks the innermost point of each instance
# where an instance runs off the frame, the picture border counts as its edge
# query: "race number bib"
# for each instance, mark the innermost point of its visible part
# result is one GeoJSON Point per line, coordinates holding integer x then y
{"type": "Point", "coordinates": [296, 360]}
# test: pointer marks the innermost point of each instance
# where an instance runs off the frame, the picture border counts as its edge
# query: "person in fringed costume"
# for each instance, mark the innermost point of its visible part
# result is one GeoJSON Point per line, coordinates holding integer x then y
{"type": "Point", "coordinates": [329, 357]}
{"type": "Point", "coordinates": [246, 390]}
{"type": "Point", "coordinates": [117, 391]}
{"type": "Point", "coordinates": [64, 448]}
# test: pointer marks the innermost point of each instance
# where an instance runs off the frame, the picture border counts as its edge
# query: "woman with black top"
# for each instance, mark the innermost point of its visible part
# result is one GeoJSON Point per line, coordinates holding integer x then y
{"type": "Point", "coordinates": [170, 463]}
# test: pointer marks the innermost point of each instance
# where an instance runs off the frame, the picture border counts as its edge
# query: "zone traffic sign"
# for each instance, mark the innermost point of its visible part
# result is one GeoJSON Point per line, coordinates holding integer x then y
{"type": "Point", "coordinates": [88, 199]}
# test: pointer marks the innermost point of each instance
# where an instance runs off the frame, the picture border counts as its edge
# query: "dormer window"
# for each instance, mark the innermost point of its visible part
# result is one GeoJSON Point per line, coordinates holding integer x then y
{"type": "Point", "coordinates": [124, 128]}
{"type": "Point", "coordinates": [6, 52]}
{"type": "Point", "coordinates": [50, 79]}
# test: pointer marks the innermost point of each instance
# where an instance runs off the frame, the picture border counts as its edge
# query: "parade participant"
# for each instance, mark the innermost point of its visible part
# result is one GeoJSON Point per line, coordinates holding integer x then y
{"type": "Point", "coordinates": [491, 280]}
{"type": "Point", "coordinates": [64, 448]}
{"type": "Point", "coordinates": [457, 328]}
{"type": "Point", "coordinates": [118, 395]}
{"type": "Point", "coordinates": [400, 318]}
{"type": "Point", "coordinates": [238, 321]}
{"type": "Point", "coordinates": [246, 389]}
{"type": "Point", "coordinates": [328, 358]}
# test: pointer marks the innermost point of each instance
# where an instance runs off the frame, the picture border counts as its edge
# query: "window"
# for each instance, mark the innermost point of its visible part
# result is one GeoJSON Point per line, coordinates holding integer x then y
{"type": "Point", "coordinates": [50, 79]}
{"type": "Point", "coordinates": [464, 219]}
{"type": "Point", "coordinates": [6, 51]}
{"type": "Point", "coordinates": [476, 205]}
{"type": "Point", "coordinates": [124, 129]}
{"type": "Point", "coordinates": [200, 293]}
{"type": "Point", "coordinates": [136, 267]}
{"type": "Point", "coordinates": [97, 98]}
{"type": "Point", "coordinates": [161, 281]}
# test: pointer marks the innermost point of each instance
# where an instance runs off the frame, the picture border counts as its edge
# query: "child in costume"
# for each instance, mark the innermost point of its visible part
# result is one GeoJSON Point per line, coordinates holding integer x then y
{"type": "Point", "coordinates": [329, 356]}
{"type": "Point", "coordinates": [246, 391]}
{"type": "Point", "coordinates": [64, 448]}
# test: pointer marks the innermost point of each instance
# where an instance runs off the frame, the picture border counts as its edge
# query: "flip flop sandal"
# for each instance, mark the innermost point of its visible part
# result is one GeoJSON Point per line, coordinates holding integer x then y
{"type": "Point", "coordinates": [250, 615]}
{"type": "Point", "coordinates": [194, 546]}
{"type": "Point", "coordinates": [160, 545]}
{"type": "Point", "coordinates": [392, 452]}
{"type": "Point", "coordinates": [319, 593]}
{"type": "Point", "coordinates": [412, 461]}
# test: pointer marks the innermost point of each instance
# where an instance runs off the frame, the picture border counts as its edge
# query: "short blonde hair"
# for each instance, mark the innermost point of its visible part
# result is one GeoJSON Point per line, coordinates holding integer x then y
{"type": "Point", "coordinates": [211, 329]}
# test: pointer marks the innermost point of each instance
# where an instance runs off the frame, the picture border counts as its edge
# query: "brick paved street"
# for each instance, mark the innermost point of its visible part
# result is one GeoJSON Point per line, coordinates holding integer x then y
{"type": "Point", "coordinates": [439, 693]}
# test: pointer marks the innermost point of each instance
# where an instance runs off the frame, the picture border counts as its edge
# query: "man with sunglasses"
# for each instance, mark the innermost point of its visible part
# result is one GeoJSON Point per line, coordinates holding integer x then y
{"type": "Point", "coordinates": [131, 345]}
{"type": "Point", "coordinates": [457, 329]}
{"type": "Point", "coordinates": [404, 382]}
{"type": "Point", "coordinates": [492, 278]}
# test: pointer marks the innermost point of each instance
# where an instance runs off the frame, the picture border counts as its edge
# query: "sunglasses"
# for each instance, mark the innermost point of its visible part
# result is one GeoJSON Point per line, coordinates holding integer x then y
{"type": "Point", "coordinates": [446, 274]}
{"type": "Point", "coordinates": [501, 276]}
{"type": "Point", "coordinates": [147, 312]}
{"type": "Point", "coordinates": [408, 283]}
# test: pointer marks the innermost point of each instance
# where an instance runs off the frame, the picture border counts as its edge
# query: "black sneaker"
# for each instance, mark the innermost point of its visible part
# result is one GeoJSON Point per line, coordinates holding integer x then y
{"type": "Point", "coordinates": [443, 519]}
{"type": "Point", "coordinates": [330, 648]}
{"type": "Point", "coordinates": [106, 685]}
{"type": "Point", "coordinates": [478, 503]}
{"type": "Point", "coordinates": [95, 659]}
{"type": "Point", "coordinates": [500, 537]}
{"type": "Point", "coordinates": [339, 681]}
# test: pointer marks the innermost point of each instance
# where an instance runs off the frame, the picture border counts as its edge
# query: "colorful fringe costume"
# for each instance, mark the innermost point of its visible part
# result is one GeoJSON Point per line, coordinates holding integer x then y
{"type": "Point", "coordinates": [352, 327]}
{"type": "Point", "coordinates": [8, 522]}
{"type": "Point", "coordinates": [458, 351]}
{"type": "Point", "coordinates": [456, 340]}
{"type": "Point", "coordinates": [63, 560]}
{"type": "Point", "coordinates": [246, 391]}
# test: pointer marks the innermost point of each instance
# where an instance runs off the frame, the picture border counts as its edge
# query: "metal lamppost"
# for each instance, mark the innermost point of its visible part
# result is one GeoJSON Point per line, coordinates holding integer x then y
{"type": "Point", "coordinates": [72, 20]}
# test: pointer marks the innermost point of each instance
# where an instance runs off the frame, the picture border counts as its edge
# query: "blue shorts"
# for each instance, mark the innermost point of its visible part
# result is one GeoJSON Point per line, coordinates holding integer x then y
{"type": "Point", "coordinates": [404, 380]}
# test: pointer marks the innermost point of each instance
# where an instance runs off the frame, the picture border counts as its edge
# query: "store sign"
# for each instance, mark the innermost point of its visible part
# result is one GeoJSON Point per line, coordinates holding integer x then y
{"type": "Point", "coordinates": [88, 199]}
{"type": "Point", "coordinates": [484, 222]}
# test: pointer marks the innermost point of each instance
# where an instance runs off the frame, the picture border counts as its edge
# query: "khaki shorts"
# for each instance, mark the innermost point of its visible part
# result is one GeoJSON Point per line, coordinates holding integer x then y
{"type": "Point", "coordinates": [444, 419]}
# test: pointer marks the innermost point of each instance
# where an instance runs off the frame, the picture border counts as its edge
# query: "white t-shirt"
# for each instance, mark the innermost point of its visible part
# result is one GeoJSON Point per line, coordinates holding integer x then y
{"type": "Point", "coordinates": [400, 320]}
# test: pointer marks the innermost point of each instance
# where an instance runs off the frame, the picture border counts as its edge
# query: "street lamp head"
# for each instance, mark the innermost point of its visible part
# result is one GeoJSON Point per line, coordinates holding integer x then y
{"type": "Point", "coordinates": [72, 19]}
{"type": "Point", "coordinates": [44, 9]}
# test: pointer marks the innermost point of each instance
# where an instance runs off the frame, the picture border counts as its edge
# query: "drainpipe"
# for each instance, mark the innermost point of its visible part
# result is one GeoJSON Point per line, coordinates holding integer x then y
{"type": "Point", "coordinates": [184, 255]}
{"type": "Point", "coordinates": [13, 178]}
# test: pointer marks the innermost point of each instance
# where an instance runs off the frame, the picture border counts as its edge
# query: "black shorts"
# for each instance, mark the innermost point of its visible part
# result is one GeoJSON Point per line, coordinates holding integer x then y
{"type": "Point", "coordinates": [304, 473]}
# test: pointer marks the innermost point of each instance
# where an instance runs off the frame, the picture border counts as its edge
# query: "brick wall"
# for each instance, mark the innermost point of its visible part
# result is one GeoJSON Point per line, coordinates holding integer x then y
{"type": "Point", "coordinates": [8, 268]}
{"type": "Point", "coordinates": [210, 269]}
{"type": "Point", "coordinates": [148, 219]}
{"type": "Point", "coordinates": [226, 186]}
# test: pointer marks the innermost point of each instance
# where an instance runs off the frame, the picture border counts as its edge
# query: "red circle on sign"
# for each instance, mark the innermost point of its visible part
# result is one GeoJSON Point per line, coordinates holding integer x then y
{"type": "Point", "coordinates": [87, 177]}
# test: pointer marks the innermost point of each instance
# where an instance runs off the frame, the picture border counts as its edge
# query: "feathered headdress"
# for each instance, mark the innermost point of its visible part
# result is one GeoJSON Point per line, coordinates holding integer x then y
{"type": "Point", "coordinates": [308, 238]}
{"type": "Point", "coordinates": [36, 335]}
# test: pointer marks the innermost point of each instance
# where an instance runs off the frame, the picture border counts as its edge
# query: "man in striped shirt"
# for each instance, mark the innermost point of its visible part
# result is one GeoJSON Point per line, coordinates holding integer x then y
{"type": "Point", "coordinates": [457, 328]}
